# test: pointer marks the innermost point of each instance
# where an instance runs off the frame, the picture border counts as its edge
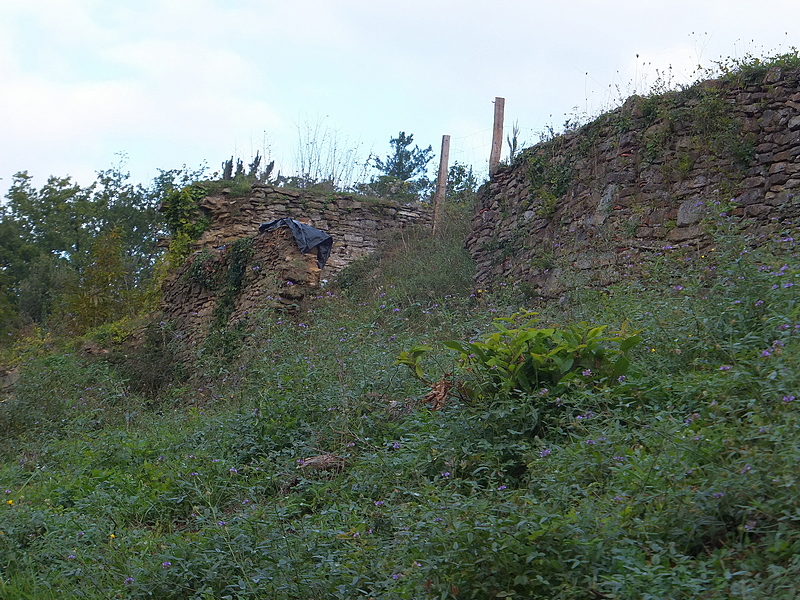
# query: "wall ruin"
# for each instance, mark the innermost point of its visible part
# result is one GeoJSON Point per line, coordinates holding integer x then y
{"type": "Point", "coordinates": [236, 271]}
{"type": "Point", "coordinates": [651, 176]}
{"type": "Point", "coordinates": [358, 224]}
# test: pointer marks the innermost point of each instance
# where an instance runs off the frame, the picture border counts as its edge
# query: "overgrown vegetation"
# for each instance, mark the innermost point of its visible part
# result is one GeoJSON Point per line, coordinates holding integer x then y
{"type": "Point", "coordinates": [314, 466]}
{"type": "Point", "coordinates": [418, 267]}
{"type": "Point", "coordinates": [549, 173]}
{"type": "Point", "coordinates": [635, 442]}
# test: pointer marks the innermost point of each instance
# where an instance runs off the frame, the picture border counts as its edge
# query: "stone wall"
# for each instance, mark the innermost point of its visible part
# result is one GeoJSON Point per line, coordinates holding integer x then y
{"type": "Point", "coordinates": [649, 177]}
{"type": "Point", "coordinates": [235, 271]}
{"type": "Point", "coordinates": [358, 225]}
{"type": "Point", "coordinates": [220, 287]}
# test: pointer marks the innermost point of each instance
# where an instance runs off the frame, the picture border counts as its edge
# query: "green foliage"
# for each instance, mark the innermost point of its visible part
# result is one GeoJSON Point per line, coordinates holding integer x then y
{"type": "Point", "coordinates": [40, 292]}
{"type": "Point", "coordinates": [399, 190]}
{"type": "Point", "coordinates": [237, 260]}
{"type": "Point", "coordinates": [462, 185]}
{"type": "Point", "coordinates": [412, 358]}
{"type": "Point", "coordinates": [404, 163]}
{"type": "Point", "coordinates": [101, 292]}
{"type": "Point", "coordinates": [204, 270]}
{"type": "Point", "coordinates": [185, 222]}
{"type": "Point", "coordinates": [415, 264]}
{"type": "Point", "coordinates": [47, 236]}
{"type": "Point", "coordinates": [403, 173]}
{"type": "Point", "coordinates": [752, 69]}
{"type": "Point", "coordinates": [240, 186]}
{"type": "Point", "coordinates": [703, 114]}
{"type": "Point", "coordinates": [58, 392]}
{"type": "Point", "coordinates": [549, 174]}
{"type": "Point", "coordinates": [154, 363]}
{"type": "Point", "coordinates": [521, 358]}
{"type": "Point", "coordinates": [157, 471]}
{"type": "Point", "coordinates": [677, 481]}
{"type": "Point", "coordinates": [181, 211]}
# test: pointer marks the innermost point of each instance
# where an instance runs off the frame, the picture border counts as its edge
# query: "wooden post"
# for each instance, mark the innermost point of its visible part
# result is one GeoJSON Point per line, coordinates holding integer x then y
{"type": "Point", "coordinates": [441, 181]}
{"type": "Point", "coordinates": [497, 135]}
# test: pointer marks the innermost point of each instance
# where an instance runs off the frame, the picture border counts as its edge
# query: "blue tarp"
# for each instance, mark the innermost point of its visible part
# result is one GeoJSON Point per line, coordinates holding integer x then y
{"type": "Point", "coordinates": [307, 237]}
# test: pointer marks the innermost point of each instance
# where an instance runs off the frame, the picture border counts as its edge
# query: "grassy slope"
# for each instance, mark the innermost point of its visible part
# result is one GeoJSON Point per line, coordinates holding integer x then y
{"type": "Point", "coordinates": [678, 482]}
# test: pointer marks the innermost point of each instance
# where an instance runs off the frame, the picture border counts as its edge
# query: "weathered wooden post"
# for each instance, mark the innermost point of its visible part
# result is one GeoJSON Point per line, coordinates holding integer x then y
{"type": "Point", "coordinates": [497, 135]}
{"type": "Point", "coordinates": [441, 181]}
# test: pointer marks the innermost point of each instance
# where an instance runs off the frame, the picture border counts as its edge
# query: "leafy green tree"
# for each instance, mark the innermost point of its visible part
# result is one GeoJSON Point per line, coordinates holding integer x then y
{"type": "Point", "coordinates": [16, 254]}
{"type": "Point", "coordinates": [47, 235]}
{"type": "Point", "coordinates": [57, 218]}
{"type": "Point", "coordinates": [131, 210]}
{"type": "Point", "coordinates": [47, 278]}
{"type": "Point", "coordinates": [101, 291]}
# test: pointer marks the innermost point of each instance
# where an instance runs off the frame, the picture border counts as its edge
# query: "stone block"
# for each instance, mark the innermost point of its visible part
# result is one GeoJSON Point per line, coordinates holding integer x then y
{"type": "Point", "coordinates": [682, 234]}
{"type": "Point", "coordinates": [690, 212]}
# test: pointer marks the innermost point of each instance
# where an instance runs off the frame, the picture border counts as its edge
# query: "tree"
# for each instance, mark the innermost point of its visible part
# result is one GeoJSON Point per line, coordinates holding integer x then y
{"type": "Point", "coordinates": [101, 292]}
{"type": "Point", "coordinates": [404, 172]}
{"type": "Point", "coordinates": [404, 164]}
{"type": "Point", "coordinates": [57, 218]}
{"type": "Point", "coordinates": [47, 236]}
{"type": "Point", "coordinates": [462, 185]}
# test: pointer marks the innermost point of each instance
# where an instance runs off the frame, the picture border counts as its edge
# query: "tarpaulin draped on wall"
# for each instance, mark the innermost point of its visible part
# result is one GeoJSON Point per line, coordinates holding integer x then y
{"type": "Point", "coordinates": [307, 237]}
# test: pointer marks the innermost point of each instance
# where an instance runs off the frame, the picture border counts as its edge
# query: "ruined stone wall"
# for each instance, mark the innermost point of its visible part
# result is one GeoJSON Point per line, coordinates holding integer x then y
{"type": "Point", "coordinates": [647, 178]}
{"type": "Point", "coordinates": [235, 271]}
{"type": "Point", "coordinates": [221, 287]}
{"type": "Point", "coordinates": [358, 225]}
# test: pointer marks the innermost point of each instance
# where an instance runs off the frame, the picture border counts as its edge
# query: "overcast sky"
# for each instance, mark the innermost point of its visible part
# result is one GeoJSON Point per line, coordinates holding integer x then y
{"type": "Point", "coordinates": [174, 82]}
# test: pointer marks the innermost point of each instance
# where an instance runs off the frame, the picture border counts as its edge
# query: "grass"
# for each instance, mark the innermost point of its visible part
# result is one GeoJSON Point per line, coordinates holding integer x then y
{"type": "Point", "coordinates": [678, 480]}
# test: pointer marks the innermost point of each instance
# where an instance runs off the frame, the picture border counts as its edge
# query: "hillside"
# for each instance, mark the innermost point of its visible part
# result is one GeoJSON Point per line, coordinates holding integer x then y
{"type": "Point", "coordinates": [401, 433]}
